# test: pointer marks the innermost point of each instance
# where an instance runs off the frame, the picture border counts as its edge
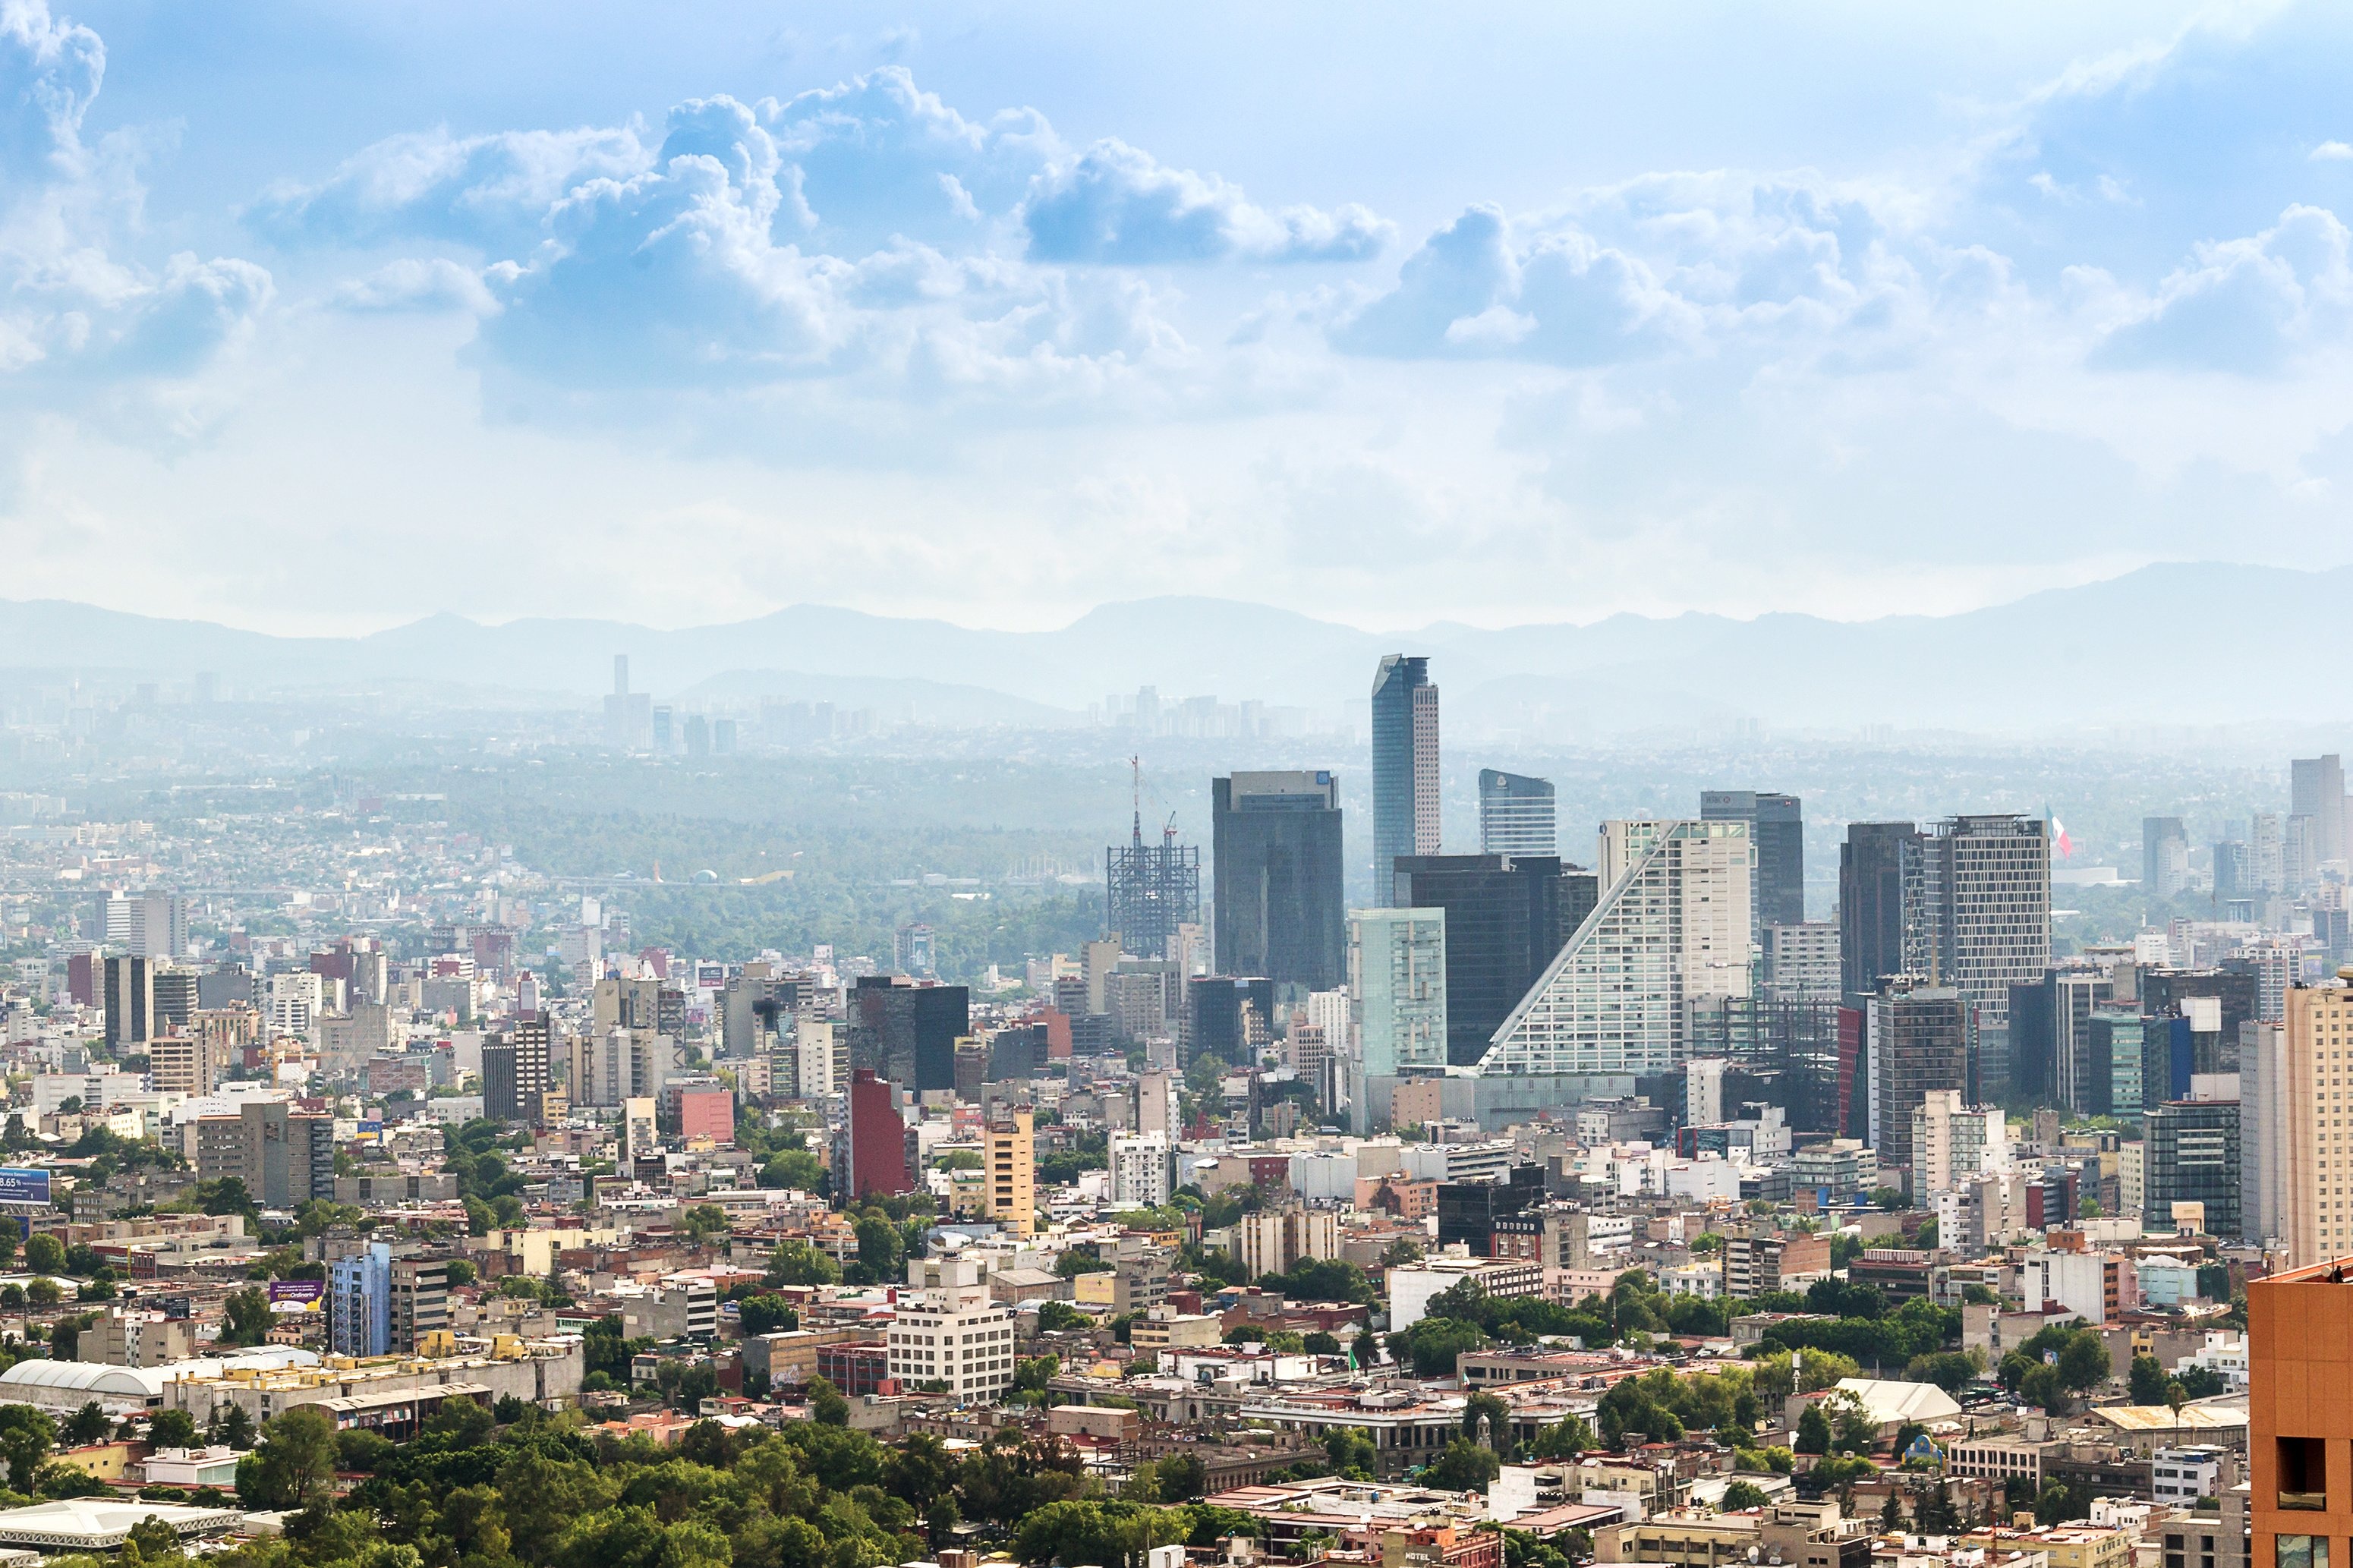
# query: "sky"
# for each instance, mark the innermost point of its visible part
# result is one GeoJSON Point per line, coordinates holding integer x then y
{"type": "Point", "coordinates": [321, 318]}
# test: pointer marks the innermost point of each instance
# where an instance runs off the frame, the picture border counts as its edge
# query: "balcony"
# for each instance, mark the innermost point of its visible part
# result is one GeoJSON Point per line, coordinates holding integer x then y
{"type": "Point", "coordinates": [2312, 1502]}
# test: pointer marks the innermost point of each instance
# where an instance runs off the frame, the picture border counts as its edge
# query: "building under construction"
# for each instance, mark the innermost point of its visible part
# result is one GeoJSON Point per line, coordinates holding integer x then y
{"type": "Point", "coordinates": [1152, 889]}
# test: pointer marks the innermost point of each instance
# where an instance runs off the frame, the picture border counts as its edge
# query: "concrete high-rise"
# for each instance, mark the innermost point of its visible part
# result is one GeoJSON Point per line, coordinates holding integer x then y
{"type": "Point", "coordinates": [877, 1140]}
{"type": "Point", "coordinates": [1396, 989]}
{"type": "Point", "coordinates": [1984, 898]}
{"type": "Point", "coordinates": [1277, 872]}
{"type": "Point", "coordinates": [1516, 815]}
{"type": "Point", "coordinates": [2316, 1155]}
{"type": "Point", "coordinates": [2264, 1116]}
{"type": "Point", "coordinates": [1506, 917]}
{"type": "Point", "coordinates": [2316, 790]}
{"type": "Point", "coordinates": [1873, 864]}
{"type": "Point", "coordinates": [1671, 929]}
{"type": "Point", "coordinates": [1777, 828]}
{"type": "Point", "coordinates": [1404, 762]}
{"type": "Point", "coordinates": [2164, 855]}
{"type": "Point", "coordinates": [130, 1001]}
{"type": "Point", "coordinates": [1009, 1171]}
{"type": "Point", "coordinates": [1917, 1045]}
{"type": "Point", "coordinates": [629, 715]}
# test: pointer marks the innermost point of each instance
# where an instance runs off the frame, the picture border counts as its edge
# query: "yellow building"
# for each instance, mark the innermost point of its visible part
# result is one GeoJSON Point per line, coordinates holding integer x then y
{"type": "Point", "coordinates": [1011, 1152]}
{"type": "Point", "coordinates": [2065, 1545]}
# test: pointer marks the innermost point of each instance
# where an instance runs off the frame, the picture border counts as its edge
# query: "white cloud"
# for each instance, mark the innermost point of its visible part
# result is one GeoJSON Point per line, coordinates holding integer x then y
{"type": "Point", "coordinates": [2331, 153]}
{"type": "Point", "coordinates": [1117, 204]}
{"type": "Point", "coordinates": [79, 309]}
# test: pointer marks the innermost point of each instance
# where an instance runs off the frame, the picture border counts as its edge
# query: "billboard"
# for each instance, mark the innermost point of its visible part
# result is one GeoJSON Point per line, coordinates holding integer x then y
{"type": "Point", "coordinates": [297, 1295]}
{"type": "Point", "coordinates": [19, 1186]}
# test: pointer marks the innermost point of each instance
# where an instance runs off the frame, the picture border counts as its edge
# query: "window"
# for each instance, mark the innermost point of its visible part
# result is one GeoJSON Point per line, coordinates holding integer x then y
{"type": "Point", "coordinates": [2302, 1551]}
{"type": "Point", "coordinates": [2303, 1477]}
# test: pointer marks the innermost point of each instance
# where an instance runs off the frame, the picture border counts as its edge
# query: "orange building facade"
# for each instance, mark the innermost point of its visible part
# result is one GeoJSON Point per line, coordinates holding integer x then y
{"type": "Point", "coordinates": [2300, 1418]}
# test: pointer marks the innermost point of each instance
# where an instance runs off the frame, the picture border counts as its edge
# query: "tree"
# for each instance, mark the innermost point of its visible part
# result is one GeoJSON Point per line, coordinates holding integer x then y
{"type": "Point", "coordinates": [2146, 1381]}
{"type": "Point", "coordinates": [294, 1462]}
{"type": "Point", "coordinates": [798, 1263]}
{"type": "Point", "coordinates": [1059, 1317]}
{"type": "Point", "coordinates": [1483, 1406]}
{"type": "Point", "coordinates": [1078, 1261]}
{"type": "Point", "coordinates": [25, 1438]}
{"type": "Point", "coordinates": [1433, 1343]}
{"type": "Point", "coordinates": [2084, 1363]}
{"type": "Point", "coordinates": [86, 1426]}
{"type": "Point", "coordinates": [1182, 1478]}
{"type": "Point", "coordinates": [1813, 1430]}
{"type": "Point", "coordinates": [1464, 1467]}
{"type": "Point", "coordinates": [705, 1222]}
{"type": "Point", "coordinates": [44, 1292]}
{"type": "Point", "coordinates": [1350, 1450]}
{"type": "Point", "coordinates": [232, 1427]}
{"type": "Point", "coordinates": [1564, 1439]}
{"type": "Point", "coordinates": [1744, 1494]}
{"type": "Point", "coordinates": [827, 1406]}
{"type": "Point", "coordinates": [173, 1428]}
{"type": "Point", "coordinates": [461, 1272]}
{"type": "Point", "coordinates": [245, 1318]}
{"type": "Point", "coordinates": [765, 1315]}
{"type": "Point", "coordinates": [45, 1253]}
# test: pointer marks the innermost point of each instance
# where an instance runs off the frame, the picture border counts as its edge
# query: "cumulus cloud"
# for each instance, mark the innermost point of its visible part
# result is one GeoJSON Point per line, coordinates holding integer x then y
{"type": "Point", "coordinates": [438, 284]}
{"type": "Point", "coordinates": [1117, 204]}
{"type": "Point", "coordinates": [2248, 306]}
{"type": "Point", "coordinates": [76, 302]}
{"type": "Point", "coordinates": [49, 72]}
{"type": "Point", "coordinates": [492, 191]}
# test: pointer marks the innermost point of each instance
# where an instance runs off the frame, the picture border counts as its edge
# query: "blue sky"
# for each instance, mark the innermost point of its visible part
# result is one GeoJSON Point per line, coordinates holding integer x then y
{"type": "Point", "coordinates": [323, 317]}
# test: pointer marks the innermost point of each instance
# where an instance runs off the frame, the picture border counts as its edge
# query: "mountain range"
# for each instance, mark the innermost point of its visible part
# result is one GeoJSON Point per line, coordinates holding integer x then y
{"type": "Point", "coordinates": [2176, 644]}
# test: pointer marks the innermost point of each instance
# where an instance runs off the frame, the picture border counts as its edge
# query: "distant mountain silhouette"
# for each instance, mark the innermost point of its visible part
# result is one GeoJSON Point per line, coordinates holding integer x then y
{"type": "Point", "coordinates": [2177, 643]}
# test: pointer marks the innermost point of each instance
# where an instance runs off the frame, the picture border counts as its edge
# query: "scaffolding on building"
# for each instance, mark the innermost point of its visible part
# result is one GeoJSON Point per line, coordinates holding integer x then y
{"type": "Point", "coordinates": [1151, 888]}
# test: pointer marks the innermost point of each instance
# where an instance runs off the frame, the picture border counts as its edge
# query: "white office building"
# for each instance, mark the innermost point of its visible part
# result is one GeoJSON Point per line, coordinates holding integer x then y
{"type": "Point", "coordinates": [1672, 928]}
{"type": "Point", "coordinates": [1140, 1168]}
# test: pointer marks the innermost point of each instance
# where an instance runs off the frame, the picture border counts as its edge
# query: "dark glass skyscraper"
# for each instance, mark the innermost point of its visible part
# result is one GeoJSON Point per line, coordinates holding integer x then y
{"type": "Point", "coordinates": [1776, 826]}
{"type": "Point", "coordinates": [1506, 918]}
{"type": "Point", "coordinates": [907, 1032]}
{"type": "Point", "coordinates": [1871, 903]}
{"type": "Point", "coordinates": [1276, 872]}
{"type": "Point", "coordinates": [1404, 762]}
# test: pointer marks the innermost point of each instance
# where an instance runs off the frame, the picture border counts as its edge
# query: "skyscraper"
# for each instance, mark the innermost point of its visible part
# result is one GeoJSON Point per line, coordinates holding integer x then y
{"type": "Point", "coordinates": [878, 1139]}
{"type": "Point", "coordinates": [1670, 931]}
{"type": "Point", "coordinates": [130, 1001]}
{"type": "Point", "coordinates": [1984, 894]}
{"type": "Point", "coordinates": [359, 1302]}
{"type": "Point", "coordinates": [1277, 870]}
{"type": "Point", "coordinates": [1009, 1171]}
{"type": "Point", "coordinates": [1396, 989]}
{"type": "Point", "coordinates": [1506, 917]}
{"type": "Point", "coordinates": [2316, 790]}
{"type": "Point", "coordinates": [1516, 815]}
{"type": "Point", "coordinates": [1151, 888]}
{"type": "Point", "coordinates": [2164, 855]}
{"type": "Point", "coordinates": [1404, 762]}
{"type": "Point", "coordinates": [1918, 1043]}
{"type": "Point", "coordinates": [907, 1032]}
{"type": "Point", "coordinates": [1776, 826]}
{"type": "Point", "coordinates": [2190, 1154]}
{"type": "Point", "coordinates": [1872, 864]}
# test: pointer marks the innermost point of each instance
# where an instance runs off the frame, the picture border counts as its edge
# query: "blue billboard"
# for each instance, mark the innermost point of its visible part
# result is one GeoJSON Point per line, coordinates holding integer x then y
{"type": "Point", "coordinates": [19, 1186]}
